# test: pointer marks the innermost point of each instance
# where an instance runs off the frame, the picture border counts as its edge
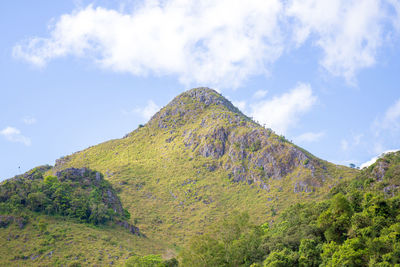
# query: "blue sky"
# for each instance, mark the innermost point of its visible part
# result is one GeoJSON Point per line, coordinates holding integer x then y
{"type": "Point", "coordinates": [326, 74]}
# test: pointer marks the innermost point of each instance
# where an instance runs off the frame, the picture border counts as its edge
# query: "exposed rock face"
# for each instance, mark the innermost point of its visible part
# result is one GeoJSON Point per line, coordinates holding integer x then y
{"type": "Point", "coordinates": [252, 156]}
{"type": "Point", "coordinates": [214, 143]}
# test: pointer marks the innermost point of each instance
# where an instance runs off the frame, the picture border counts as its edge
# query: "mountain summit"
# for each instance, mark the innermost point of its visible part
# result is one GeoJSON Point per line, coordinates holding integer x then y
{"type": "Point", "coordinates": [189, 105]}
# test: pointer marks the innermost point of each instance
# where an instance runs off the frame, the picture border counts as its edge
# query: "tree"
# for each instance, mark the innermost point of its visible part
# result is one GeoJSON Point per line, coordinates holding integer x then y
{"type": "Point", "coordinates": [281, 258]}
{"type": "Point", "coordinates": [309, 253]}
{"type": "Point", "coordinates": [336, 221]}
{"type": "Point", "coordinates": [37, 201]}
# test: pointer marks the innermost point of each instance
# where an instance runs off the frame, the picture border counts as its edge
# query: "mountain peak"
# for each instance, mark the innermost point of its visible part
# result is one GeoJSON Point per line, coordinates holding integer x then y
{"type": "Point", "coordinates": [206, 96]}
{"type": "Point", "coordinates": [188, 105]}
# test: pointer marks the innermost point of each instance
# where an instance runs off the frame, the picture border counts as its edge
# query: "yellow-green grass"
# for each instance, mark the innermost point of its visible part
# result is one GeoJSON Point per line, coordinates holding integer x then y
{"type": "Point", "coordinates": [65, 242]}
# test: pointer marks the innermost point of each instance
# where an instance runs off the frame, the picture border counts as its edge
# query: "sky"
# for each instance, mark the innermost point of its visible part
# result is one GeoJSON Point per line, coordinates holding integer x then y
{"type": "Point", "coordinates": [325, 74]}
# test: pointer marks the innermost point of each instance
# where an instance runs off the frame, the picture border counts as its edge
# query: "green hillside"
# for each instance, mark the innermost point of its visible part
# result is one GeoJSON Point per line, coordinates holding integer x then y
{"type": "Point", "coordinates": [358, 225]}
{"type": "Point", "coordinates": [198, 159]}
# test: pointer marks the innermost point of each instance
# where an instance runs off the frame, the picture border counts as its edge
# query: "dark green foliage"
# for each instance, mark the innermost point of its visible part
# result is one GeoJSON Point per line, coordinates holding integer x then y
{"type": "Point", "coordinates": [80, 194]}
{"type": "Point", "coordinates": [358, 226]}
{"type": "Point", "coordinates": [309, 253]}
{"type": "Point", "coordinates": [335, 221]}
{"type": "Point", "coordinates": [281, 258]}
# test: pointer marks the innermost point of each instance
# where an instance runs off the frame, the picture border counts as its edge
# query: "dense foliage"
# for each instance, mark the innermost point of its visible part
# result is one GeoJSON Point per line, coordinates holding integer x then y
{"type": "Point", "coordinates": [82, 194]}
{"type": "Point", "coordinates": [344, 231]}
{"type": "Point", "coordinates": [358, 226]}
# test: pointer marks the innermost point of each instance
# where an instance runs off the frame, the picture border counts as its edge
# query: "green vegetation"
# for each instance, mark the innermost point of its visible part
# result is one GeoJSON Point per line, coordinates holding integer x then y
{"type": "Point", "coordinates": [56, 240]}
{"type": "Point", "coordinates": [179, 173]}
{"type": "Point", "coordinates": [358, 226]}
{"type": "Point", "coordinates": [80, 194]}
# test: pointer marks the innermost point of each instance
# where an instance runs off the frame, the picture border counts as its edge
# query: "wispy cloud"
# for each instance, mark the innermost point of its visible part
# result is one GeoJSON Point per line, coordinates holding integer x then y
{"type": "Point", "coordinates": [149, 110]}
{"type": "Point", "coordinates": [309, 137]}
{"type": "Point", "coordinates": [283, 112]}
{"type": "Point", "coordinates": [348, 31]}
{"type": "Point", "coordinates": [386, 129]}
{"type": "Point", "coordinates": [29, 120]}
{"type": "Point", "coordinates": [260, 94]}
{"type": "Point", "coordinates": [353, 141]}
{"type": "Point", "coordinates": [391, 119]}
{"type": "Point", "coordinates": [146, 111]}
{"type": "Point", "coordinates": [14, 135]}
{"type": "Point", "coordinates": [191, 39]}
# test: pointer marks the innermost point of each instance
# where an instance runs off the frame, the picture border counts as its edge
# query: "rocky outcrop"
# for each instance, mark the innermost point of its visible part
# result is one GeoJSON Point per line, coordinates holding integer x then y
{"type": "Point", "coordinates": [131, 228]}
{"type": "Point", "coordinates": [380, 169]}
{"type": "Point", "coordinates": [214, 143]}
{"type": "Point", "coordinates": [252, 155]}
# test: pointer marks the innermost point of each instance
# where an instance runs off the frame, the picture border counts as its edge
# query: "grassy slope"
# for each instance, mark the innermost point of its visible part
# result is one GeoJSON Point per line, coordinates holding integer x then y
{"type": "Point", "coordinates": [169, 191]}
{"type": "Point", "coordinates": [65, 242]}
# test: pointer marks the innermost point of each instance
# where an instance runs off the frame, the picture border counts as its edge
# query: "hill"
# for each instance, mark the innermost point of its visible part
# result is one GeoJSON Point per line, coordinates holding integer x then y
{"type": "Point", "coordinates": [198, 159]}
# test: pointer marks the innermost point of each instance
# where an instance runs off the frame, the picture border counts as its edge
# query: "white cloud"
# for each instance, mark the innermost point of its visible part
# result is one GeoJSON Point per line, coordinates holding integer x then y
{"type": "Point", "coordinates": [260, 94]}
{"type": "Point", "coordinates": [309, 137]}
{"type": "Point", "coordinates": [372, 161]}
{"type": "Point", "coordinates": [14, 135]}
{"type": "Point", "coordinates": [209, 42]}
{"type": "Point", "coordinates": [29, 120]}
{"type": "Point", "coordinates": [147, 111]}
{"type": "Point", "coordinates": [218, 43]}
{"type": "Point", "coordinates": [348, 31]}
{"type": "Point", "coordinates": [282, 112]}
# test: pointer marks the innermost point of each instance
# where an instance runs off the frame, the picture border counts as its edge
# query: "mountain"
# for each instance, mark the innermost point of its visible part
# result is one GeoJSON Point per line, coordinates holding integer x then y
{"type": "Point", "coordinates": [196, 160]}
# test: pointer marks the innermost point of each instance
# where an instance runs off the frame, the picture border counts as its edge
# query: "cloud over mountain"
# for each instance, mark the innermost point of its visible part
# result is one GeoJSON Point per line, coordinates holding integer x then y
{"type": "Point", "coordinates": [193, 41]}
